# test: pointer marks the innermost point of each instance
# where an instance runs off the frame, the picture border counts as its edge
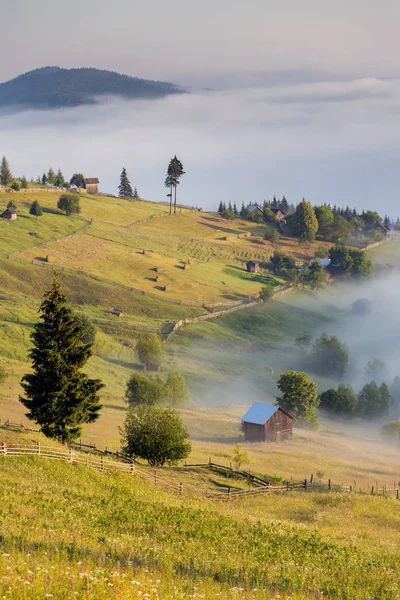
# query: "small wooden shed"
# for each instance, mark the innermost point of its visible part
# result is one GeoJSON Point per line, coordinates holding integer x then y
{"type": "Point", "coordinates": [92, 185]}
{"type": "Point", "coordinates": [363, 306]}
{"type": "Point", "coordinates": [9, 213]}
{"type": "Point", "coordinates": [266, 423]}
{"type": "Point", "coordinates": [252, 266]}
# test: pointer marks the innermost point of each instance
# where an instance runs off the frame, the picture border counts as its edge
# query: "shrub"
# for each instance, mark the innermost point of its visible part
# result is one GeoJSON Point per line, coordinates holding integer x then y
{"type": "Point", "coordinates": [149, 349]}
{"type": "Point", "coordinates": [155, 434]}
{"type": "Point", "coordinates": [267, 292]}
{"type": "Point", "coordinates": [16, 186]}
{"type": "Point", "coordinates": [271, 235]}
{"type": "Point", "coordinates": [391, 430]}
{"type": "Point", "coordinates": [176, 390]}
{"type": "Point", "coordinates": [239, 457]}
{"type": "Point", "coordinates": [330, 356]}
{"type": "Point", "coordinates": [142, 390]}
{"type": "Point", "coordinates": [69, 203]}
{"type": "Point", "coordinates": [282, 261]}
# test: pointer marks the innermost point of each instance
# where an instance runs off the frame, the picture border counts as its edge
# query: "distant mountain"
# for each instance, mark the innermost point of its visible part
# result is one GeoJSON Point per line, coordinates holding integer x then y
{"type": "Point", "coordinates": [54, 87]}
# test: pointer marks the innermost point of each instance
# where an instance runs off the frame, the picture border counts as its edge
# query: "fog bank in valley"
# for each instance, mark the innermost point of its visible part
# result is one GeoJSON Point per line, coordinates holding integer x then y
{"type": "Point", "coordinates": [333, 141]}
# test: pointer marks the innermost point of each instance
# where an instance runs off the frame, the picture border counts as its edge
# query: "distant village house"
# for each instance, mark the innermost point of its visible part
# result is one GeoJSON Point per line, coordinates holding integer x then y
{"type": "Point", "coordinates": [256, 212]}
{"type": "Point", "coordinates": [92, 185]}
{"type": "Point", "coordinates": [279, 215]}
{"type": "Point", "coordinates": [266, 423]}
{"type": "Point", "coordinates": [9, 213]}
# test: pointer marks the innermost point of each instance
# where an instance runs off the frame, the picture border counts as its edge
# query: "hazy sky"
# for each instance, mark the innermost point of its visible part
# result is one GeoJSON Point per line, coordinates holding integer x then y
{"type": "Point", "coordinates": [179, 38]}
{"type": "Point", "coordinates": [308, 98]}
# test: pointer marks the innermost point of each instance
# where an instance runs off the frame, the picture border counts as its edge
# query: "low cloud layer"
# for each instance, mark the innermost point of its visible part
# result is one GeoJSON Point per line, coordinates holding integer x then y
{"type": "Point", "coordinates": [329, 141]}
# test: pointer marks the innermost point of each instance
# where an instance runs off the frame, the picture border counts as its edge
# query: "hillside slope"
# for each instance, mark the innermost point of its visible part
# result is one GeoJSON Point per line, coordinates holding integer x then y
{"type": "Point", "coordinates": [54, 87]}
{"type": "Point", "coordinates": [68, 531]}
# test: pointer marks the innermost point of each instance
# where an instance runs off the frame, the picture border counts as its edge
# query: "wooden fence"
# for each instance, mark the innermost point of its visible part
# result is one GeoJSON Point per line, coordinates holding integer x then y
{"type": "Point", "coordinates": [178, 480]}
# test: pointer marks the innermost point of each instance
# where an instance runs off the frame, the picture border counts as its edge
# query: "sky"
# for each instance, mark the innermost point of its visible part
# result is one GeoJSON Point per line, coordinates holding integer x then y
{"type": "Point", "coordinates": [305, 100]}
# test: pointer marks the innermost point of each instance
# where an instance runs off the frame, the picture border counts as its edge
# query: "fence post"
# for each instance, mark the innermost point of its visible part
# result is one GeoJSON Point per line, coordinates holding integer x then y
{"type": "Point", "coordinates": [397, 494]}
{"type": "Point", "coordinates": [132, 467]}
{"type": "Point", "coordinates": [180, 489]}
{"type": "Point", "coordinates": [311, 478]}
{"type": "Point", "coordinates": [372, 491]}
{"type": "Point", "coordinates": [351, 488]}
{"type": "Point", "coordinates": [102, 462]}
{"type": "Point", "coordinates": [3, 448]}
{"type": "Point", "coordinates": [70, 455]}
{"type": "Point", "coordinates": [305, 484]}
{"type": "Point", "coordinates": [329, 484]}
{"type": "Point", "coordinates": [229, 493]}
{"type": "Point", "coordinates": [155, 477]}
{"type": "Point", "coordinates": [38, 448]}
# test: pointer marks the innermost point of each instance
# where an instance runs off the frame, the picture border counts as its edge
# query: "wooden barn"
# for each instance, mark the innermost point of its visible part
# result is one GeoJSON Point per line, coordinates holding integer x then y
{"type": "Point", "coordinates": [256, 212]}
{"type": "Point", "coordinates": [92, 185]}
{"type": "Point", "coordinates": [266, 423]}
{"type": "Point", "coordinates": [252, 267]}
{"type": "Point", "coordinates": [9, 213]}
{"type": "Point", "coordinates": [279, 215]}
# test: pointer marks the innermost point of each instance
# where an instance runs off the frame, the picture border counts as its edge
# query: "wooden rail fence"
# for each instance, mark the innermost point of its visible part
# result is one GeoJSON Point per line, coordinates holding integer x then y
{"type": "Point", "coordinates": [177, 481]}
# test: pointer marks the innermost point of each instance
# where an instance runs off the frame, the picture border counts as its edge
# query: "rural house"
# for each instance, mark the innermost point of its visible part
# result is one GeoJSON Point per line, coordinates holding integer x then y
{"type": "Point", "coordinates": [279, 215]}
{"type": "Point", "coordinates": [9, 213]}
{"type": "Point", "coordinates": [252, 267]}
{"type": "Point", "coordinates": [266, 423]}
{"type": "Point", "coordinates": [256, 212]}
{"type": "Point", "coordinates": [92, 185]}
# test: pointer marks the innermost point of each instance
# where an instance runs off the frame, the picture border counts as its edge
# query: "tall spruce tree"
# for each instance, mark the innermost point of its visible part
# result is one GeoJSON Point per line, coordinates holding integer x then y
{"type": "Point", "coordinates": [136, 194]}
{"type": "Point", "coordinates": [58, 396]}
{"type": "Point", "coordinates": [5, 172]}
{"type": "Point", "coordinates": [125, 188]}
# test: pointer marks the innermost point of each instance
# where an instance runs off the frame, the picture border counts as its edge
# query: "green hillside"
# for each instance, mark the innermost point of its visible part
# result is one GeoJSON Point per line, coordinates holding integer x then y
{"type": "Point", "coordinates": [70, 532]}
{"type": "Point", "coordinates": [54, 87]}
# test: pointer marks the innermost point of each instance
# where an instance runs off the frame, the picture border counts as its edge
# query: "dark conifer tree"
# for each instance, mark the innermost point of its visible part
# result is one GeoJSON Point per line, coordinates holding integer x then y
{"type": "Point", "coordinates": [220, 208]}
{"type": "Point", "coordinates": [284, 205]}
{"type": "Point", "coordinates": [136, 194]}
{"type": "Point", "coordinates": [24, 182]}
{"type": "Point", "coordinates": [235, 210]}
{"type": "Point", "coordinates": [274, 203]}
{"type": "Point", "coordinates": [44, 179]}
{"type": "Point", "coordinates": [36, 209]}
{"type": "Point", "coordinates": [242, 211]}
{"type": "Point", "coordinates": [124, 188]}
{"type": "Point", "coordinates": [58, 396]}
{"type": "Point", "coordinates": [5, 172]}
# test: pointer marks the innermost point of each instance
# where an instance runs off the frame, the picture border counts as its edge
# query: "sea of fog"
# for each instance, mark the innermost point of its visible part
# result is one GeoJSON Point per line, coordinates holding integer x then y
{"type": "Point", "coordinates": [335, 142]}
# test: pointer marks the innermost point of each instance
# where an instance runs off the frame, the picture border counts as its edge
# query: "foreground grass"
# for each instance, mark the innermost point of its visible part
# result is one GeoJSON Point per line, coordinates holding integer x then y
{"type": "Point", "coordinates": [70, 532]}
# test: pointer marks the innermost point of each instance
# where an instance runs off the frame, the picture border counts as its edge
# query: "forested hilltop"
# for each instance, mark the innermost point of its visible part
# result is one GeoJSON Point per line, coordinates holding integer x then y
{"type": "Point", "coordinates": [54, 87]}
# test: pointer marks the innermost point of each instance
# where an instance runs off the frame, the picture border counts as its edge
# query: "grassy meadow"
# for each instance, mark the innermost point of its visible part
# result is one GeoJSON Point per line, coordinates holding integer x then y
{"type": "Point", "coordinates": [118, 536]}
{"type": "Point", "coordinates": [68, 531]}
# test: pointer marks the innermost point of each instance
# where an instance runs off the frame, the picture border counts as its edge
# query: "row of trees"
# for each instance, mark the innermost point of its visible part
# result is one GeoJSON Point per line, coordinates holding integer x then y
{"type": "Point", "coordinates": [300, 398]}
{"type": "Point", "coordinates": [344, 261]}
{"type": "Point", "coordinates": [309, 223]}
{"type": "Point", "coordinates": [373, 401]}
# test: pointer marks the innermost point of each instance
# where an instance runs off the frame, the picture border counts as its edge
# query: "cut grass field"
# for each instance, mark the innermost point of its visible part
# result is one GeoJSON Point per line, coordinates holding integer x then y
{"type": "Point", "coordinates": [69, 532]}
